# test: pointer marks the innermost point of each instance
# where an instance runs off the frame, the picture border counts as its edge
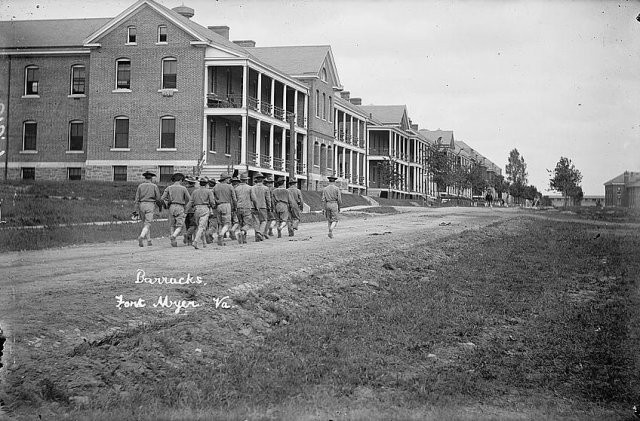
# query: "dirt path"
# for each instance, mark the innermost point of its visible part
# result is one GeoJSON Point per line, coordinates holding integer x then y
{"type": "Point", "coordinates": [53, 301]}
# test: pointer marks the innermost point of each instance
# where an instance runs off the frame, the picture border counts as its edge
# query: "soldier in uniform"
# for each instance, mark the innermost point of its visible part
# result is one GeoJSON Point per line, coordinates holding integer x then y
{"type": "Point", "coordinates": [147, 196]}
{"type": "Point", "coordinates": [296, 207]}
{"type": "Point", "coordinates": [261, 198]}
{"type": "Point", "coordinates": [202, 200]}
{"type": "Point", "coordinates": [190, 222]}
{"type": "Point", "coordinates": [332, 199]}
{"type": "Point", "coordinates": [271, 220]}
{"type": "Point", "coordinates": [235, 181]}
{"type": "Point", "coordinates": [281, 202]}
{"type": "Point", "coordinates": [175, 198]}
{"type": "Point", "coordinates": [213, 217]}
{"type": "Point", "coordinates": [243, 210]}
{"type": "Point", "coordinates": [226, 200]}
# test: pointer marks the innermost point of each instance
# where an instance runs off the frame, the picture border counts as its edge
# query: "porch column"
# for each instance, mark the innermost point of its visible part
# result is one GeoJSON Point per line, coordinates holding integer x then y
{"type": "Point", "coordinates": [245, 77]}
{"type": "Point", "coordinates": [344, 126]}
{"type": "Point", "coordinates": [284, 150]}
{"type": "Point", "coordinates": [344, 161]}
{"type": "Point", "coordinates": [389, 136]}
{"type": "Point", "coordinates": [284, 104]}
{"type": "Point", "coordinates": [259, 94]}
{"type": "Point", "coordinates": [243, 139]}
{"type": "Point", "coordinates": [306, 110]}
{"type": "Point", "coordinates": [304, 153]}
{"type": "Point", "coordinates": [258, 143]}
{"type": "Point", "coordinates": [335, 160]}
{"type": "Point", "coordinates": [351, 169]}
{"type": "Point", "coordinates": [273, 96]}
{"type": "Point", "coordinates": [351, 127]}
{"type": "Point", "coordinates": [295, 106]}
{"type": "Point", "coordinates": [271, 145]}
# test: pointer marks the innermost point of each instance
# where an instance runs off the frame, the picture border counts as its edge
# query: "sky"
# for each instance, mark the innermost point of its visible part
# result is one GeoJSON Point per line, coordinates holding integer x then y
{"type": "Point", "coordinates": [549, 78]}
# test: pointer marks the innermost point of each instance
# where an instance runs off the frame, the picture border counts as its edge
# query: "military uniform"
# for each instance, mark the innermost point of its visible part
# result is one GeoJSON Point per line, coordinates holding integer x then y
{"type": "Point", "coordinates": [297, 205]}
{"type": "Point", "coordinates": [202, 200]}
{"type": "Point", "coordinates": [332, 199]}
{"type": "Point", "coordinates": [261, 198]}
{"type": "Point", "coordinates": [243, 208]}
{"type": "Point", "coordinates": [175, 198]}
{"type": "Point", "coordinates": [281, 203]}
{"type": "Point", "coordinates": [190, 222]}
{"type": "Point", "coordinates": [271, 216]}
{"type": "Point", "coordinates": [226, 200]}
{"type": "Point", "coordinates": [147, 196]}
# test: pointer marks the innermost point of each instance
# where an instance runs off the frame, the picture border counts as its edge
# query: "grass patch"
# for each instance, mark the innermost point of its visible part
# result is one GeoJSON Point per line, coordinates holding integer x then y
{"type": "Point", "coordinates": [533, 318]}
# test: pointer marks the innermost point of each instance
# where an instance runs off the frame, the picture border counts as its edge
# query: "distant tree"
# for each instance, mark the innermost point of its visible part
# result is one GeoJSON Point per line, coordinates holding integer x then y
{"type": "Point", "coordinates": [440, 165]}
{"type": "Point", "coordinates": [500, 185]}
{"type": "Point", "coordinates": [390, 176]}
{"type": "Point", "coordinates": [516, 168]}
{"type": "Point", "coordinates": [566, 178]}
{"type": "Point", "coordinates": [476, 178]}
{"type": "Point", "coordinates": [531, 192]}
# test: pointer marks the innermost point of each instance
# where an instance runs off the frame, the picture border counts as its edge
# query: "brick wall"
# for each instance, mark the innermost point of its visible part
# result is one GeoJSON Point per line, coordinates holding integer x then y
{"type": "Point", "coordinates": [52, 110]}
{"type": "Point", "coordinates": [144, 105]}
{"type": "Point", "coordinates": [134, 172]}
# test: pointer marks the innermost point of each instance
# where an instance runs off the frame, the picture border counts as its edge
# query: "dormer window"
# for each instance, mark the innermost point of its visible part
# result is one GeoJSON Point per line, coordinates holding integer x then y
{"type": "Point", "coordinates": [162, 33]}
{"type": "Point", "coordinates": [131, 35]}
{"type": "Point", "coordinates": [324, 74]}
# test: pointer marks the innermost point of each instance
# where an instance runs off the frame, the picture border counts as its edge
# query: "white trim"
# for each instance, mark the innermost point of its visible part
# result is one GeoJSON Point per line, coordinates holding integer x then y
{"type": "Point", "coordinates": [162, 43]}
{"type": "Point", "coordinates": [41, 52]}
{"type": "Point", "coordinates": [120, 149]}
{"type": "Point", "coordinates": [149, 162]}
{"type": "Point", "coordinates": [28, 152]}
{"type": "Point", "coordinates": [74, 152]}
{"type": "Point", "coordinates": [166, 149]}
{"type": "Point", "coordinates": [121, 91]}
{"type": "Point", "coordinates": [76, 96]}
{"type": "Point", "coordinates": [131, 43]}
{"type": "Point", "coordinates": [21, 164]}
{"type": "Point", "coordinates": [30, 96]}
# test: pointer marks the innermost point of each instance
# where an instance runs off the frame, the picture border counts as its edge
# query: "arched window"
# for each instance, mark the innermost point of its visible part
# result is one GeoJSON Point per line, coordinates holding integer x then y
{"type": "Point", "coordinates": [121, 132]}
{"type": "Point", "coordinates": [78, 79]}
{"type": "Point", "coordinates": [31, 80]}
{"type": "Point", "coordinates": [169, 73]}
{"type": "Point", "coordinates": [167, 132]}
{"type": "Point", "coordinates": [324, 74]}
{"type": "Point", "coordinates": [76, 135]}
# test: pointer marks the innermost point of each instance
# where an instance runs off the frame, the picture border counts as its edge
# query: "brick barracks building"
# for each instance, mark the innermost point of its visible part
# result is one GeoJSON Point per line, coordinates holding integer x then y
{"type": "Point", "coordinates": [150, 89]}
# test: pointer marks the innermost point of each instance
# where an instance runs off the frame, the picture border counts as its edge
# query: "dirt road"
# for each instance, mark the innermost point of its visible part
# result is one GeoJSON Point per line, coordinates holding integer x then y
{"type": "Point", "coordinates": [55, 302]}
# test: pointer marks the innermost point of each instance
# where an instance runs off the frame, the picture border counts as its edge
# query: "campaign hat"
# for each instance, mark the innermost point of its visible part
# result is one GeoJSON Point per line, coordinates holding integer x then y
{"type": "Point", "coordinates": [244, 176]}
{"type": "Point", "coordinates": [190, 179]}
{"type": "Point", "coordinates": [148, 174]}
{"type": "Point", "coordinates": [224, 176]}
{"type": "Point", "coordinates": [177, 176]}
{"type": "Point", "coordinates": [235, 179]}
{"type": "Point", "coordinates": [204, 181]}
{"type": "Point", "coordinates": [292, 180]}
{"type": "Point", "coordinates": [269, 179]}
{"type": "Point", "coordinates": [258, 175]}
{"type": "Point", "coordinates": [332, 178]}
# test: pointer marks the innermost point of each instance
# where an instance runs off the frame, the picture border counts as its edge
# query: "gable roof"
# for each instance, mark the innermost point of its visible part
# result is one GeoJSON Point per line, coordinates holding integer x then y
{"type": "Point", "coordinates": [47, 33]}
{"type": "Point", "coordinates": [445, 136]}
{"type": "Point", "coordinates": [199, 32]}
{"type": "Point", "coordinates": [387, 114]}
{"type": "Point", "coordinates": [633, 177]}
{"type": "Point", "coordinates": [298, 61]}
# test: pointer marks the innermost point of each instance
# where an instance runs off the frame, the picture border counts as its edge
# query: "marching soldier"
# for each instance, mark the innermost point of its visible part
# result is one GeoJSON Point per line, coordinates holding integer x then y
{"type": "Point", "coordinates": [175, 198]}
{"type": "Point", "coordinates": [261, 198]}
{"type": "Point", "coordinates": [190, 222]}
{"type": "Point", "coordinates": [271, 219]}
{"type": "Point", "coordinates": [243, 210]}
{"type": "Point", "coordinates": [226, 200]}
{"type": "Point", "coordinates": [332, 199]}
{"type": "Point", "coordinates": [281, 202]}
{"type": "Point", "coordinates": [213, 217]}
{"type": "Point", "coordinates": [147, 196]}
{"type": "Point", "coordinates": [202, 200]}
{"type": "Point", "coordinates": [296, 207]}
{"type": "Point", "coordinates": [235, 182]}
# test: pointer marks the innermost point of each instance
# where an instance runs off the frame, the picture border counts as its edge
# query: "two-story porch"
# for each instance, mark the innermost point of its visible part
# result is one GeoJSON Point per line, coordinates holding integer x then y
{"type": "Point", "coordinates": [350, 145]}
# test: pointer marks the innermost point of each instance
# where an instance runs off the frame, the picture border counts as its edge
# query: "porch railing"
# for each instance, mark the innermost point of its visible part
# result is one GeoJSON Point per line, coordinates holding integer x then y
{"type": "Point", "coordinates": [253, 159]}
{"type": "Point", "coordinates": [265, 161]}
{"type": "Point", "coordinates": [265, 107]}
{"type": "Point", "coordinates": [215, 100]}
{"type": "Point", "coordinates": [252, 103]}
{"type": "Point", "coordinates": [278, 164]}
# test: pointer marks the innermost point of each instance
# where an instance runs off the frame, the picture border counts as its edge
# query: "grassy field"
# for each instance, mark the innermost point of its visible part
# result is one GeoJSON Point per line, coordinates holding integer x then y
{"type": "Point", "coordinates": [525, 319]}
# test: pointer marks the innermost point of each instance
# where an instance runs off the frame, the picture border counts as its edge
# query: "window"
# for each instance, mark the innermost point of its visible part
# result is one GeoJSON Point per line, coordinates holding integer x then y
{"type": "Point", "coordinates": [28, 173]}
{"type": "Point", "coordinates": [162, 33]}
{"type": "Point", "coordinates": [324, 74]}
{"type": "Point", "coordinates": [29, 134]}
{"type": "Point", "coordinates": [119, 173]}
{"type": "Point", "coordinates": [131, 35]}
{"type": "Point", "coordinates": [76, 135]}
{"type": "Point", "coordinates": [121, 133]}
{"type": "Point", "coordinates": [227, 139]}
{"type": "Point", "coordinates": [169, 73]}
{"type": "Point", "coordinates": [324, 106]}
{"type": "Point", "coordinates": [167, 133]}
{"type": "Point", "coordinates": [74, 173]}
{"type": "Point", "coordinates": [123, 73]}
{"type": "Point", "coordinates": [317, 103]}
{"type": "Point", "coordinates": [31, 78]}
{"type": "Point", "coordinates": [316, 154]}
{"type": "Point", "coordinates": [330, 109]}
{"type": "Point", "coordinates": [77, 80]}
{"type": "Point", "coordinates": [212, 135]}
{"type": "Point", "coordinates": [166, 171]}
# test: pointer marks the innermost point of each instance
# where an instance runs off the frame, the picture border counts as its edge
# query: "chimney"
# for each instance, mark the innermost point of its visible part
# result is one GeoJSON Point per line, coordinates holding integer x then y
{"type": "Point", "coordinates": [345, 95]}
{"type": "Point", "coordinates": [415, 127]}
{"type": "Point", "coordinates": [356, 101]}
{"type": "Point", "coordinates": [245, 43]}
{"type": "Point", "coordinates": [220, 30]}
{"type": "Point", "coordinates": [185, 11]}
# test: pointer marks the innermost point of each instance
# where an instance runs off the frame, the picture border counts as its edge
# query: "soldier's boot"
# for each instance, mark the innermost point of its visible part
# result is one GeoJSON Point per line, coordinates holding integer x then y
{"type": "Point", "coordinates": [290, 232]}
{"type": "Point", "coordinates": [149, 243]}
{"type": "Point", "coordinates": [232, 235]}
{"type": "Point", "coordinates": [279, 233]}
{"type": "Point", "coordinates": [141, 241]}
{"type": "Point", "coordinates": [270, 232]}
{"type": "Point", "coordinates": [174, 243]}
{"type": "Point", "coordinates": [209, 238]}
{"type": "Point", "coordinates": [258, 236]}
{"type": "Point", "coordinates": [219, 240]}
{"type": "Point", "coordinates": [239, 237]}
